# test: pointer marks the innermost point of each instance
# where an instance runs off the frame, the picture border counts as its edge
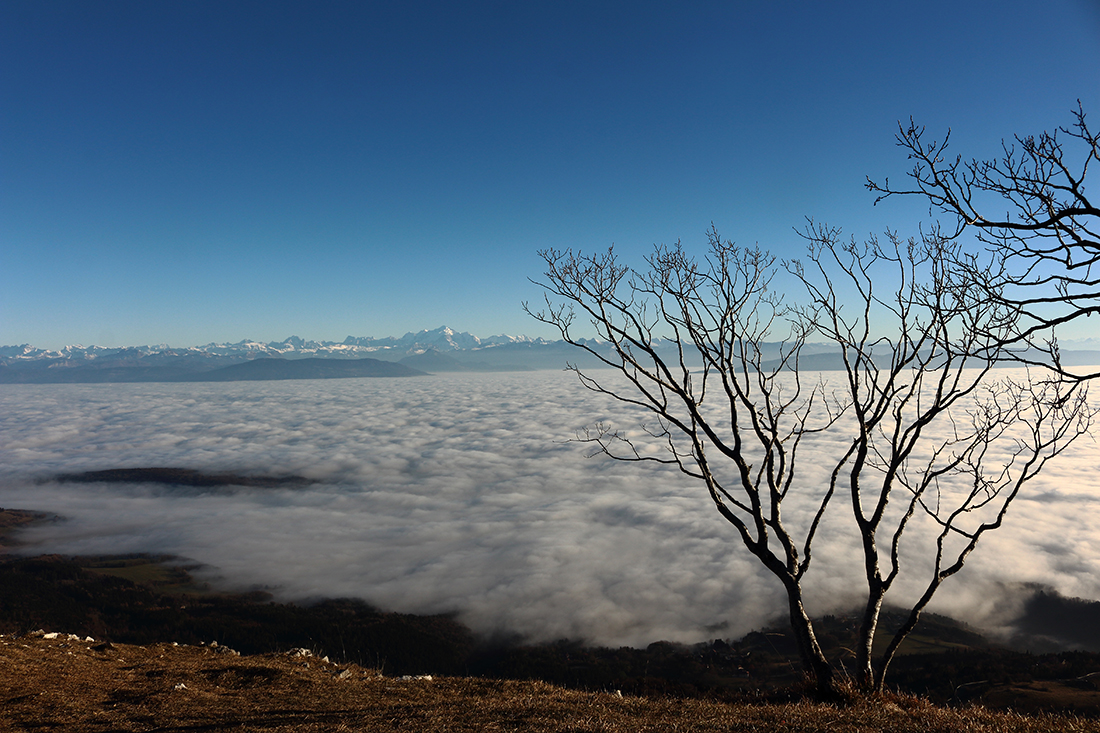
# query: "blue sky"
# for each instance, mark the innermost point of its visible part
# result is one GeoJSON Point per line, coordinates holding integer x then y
{"type": "Point", "coordinates": [186, 172]}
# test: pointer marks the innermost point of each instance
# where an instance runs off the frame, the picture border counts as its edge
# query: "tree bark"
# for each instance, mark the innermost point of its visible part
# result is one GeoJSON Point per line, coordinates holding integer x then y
{"type": "Point", "coordinates": [867, 628]}
{"type": "Point", "coordinates": [813, 659]}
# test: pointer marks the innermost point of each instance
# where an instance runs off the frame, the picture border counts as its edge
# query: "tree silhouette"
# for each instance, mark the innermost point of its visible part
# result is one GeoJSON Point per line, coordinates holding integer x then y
{"type": "Point", "coordinates": [933, 445]}
{"type": "Point", "coordinates": [1030, 209]}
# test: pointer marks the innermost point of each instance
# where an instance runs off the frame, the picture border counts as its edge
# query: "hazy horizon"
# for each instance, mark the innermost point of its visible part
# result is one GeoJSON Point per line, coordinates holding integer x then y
{"type": "Point", "coordinates": [1085, 343]}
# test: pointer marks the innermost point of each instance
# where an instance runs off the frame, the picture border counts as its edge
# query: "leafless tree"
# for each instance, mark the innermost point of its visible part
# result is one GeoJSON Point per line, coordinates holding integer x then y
{"type": "Point", "coordinates": [1031, 208]}
{"type": "Point", "coordinates": [929, 436]}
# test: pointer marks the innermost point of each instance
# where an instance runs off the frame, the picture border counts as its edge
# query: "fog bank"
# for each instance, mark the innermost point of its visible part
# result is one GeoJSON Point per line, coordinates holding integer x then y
{"type": "Point", "coordinates": [458, 493]}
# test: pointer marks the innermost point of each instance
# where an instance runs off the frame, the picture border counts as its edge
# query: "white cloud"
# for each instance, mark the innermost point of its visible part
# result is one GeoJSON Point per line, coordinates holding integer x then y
{"type": "Point", "coordinates": [458, 493]}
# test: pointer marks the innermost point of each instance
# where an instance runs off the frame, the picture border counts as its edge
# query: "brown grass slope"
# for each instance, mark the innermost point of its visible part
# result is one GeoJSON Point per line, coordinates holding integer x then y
{"type": "Point", "coordinates": [65, 683]}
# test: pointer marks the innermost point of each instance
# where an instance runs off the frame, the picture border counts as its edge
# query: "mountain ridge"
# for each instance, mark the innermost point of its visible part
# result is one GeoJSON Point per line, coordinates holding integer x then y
{"type": "Point", "coordinates": [436, 350]}
{"type": "Point", "coordinates": [433, 351]}
{"type": "Point", "coordinates": [442, 339]}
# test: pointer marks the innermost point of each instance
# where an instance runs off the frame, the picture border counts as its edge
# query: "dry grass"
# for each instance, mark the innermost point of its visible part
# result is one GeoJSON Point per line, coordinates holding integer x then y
{"type": "Point", "coordinates": [72, 685]}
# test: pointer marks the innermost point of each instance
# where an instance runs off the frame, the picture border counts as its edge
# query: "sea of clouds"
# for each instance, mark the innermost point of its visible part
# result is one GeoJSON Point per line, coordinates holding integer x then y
{"type": "Point", "coordinates": [462, 493]}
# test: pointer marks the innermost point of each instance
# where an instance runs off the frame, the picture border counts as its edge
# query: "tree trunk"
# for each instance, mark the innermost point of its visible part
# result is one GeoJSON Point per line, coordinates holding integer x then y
{"type": "Point", "coordinates": [865, 670]}
{"type": "Point", "coordinates": [813, 659]}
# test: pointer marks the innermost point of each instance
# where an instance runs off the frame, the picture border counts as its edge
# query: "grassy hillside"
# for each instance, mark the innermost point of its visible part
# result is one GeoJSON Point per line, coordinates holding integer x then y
{"type": "Point", "coordinates": [73, 684]}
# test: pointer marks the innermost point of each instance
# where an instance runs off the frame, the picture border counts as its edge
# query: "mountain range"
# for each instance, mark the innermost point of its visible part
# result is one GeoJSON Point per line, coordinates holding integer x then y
{"type": "Point", "coordinates": [426, 351]}
{"type": "Point", "coordinates": [440, 339]}
{"type": "Point", "coordinates": [438, 350]}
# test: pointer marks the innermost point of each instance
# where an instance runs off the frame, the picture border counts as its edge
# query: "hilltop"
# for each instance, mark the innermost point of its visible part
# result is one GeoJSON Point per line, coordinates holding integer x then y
{"type": "Point", "coordinates": [63, 681]}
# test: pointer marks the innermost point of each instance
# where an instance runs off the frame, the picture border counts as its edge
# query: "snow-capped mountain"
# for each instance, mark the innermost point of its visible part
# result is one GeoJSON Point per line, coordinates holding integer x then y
{"type": "Point", "coordinates": [439, 339]}
{"type": "Point", "coordinates": [440, 349]}
{"type": "Point", "coordinates": [161, 362]}
{"type": "Point", "coordinates": [437, 350]}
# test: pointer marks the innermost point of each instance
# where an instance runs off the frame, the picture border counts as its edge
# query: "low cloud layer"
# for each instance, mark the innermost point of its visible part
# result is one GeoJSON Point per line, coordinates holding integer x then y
{"type": "Point", "coordinates": [457, 493]}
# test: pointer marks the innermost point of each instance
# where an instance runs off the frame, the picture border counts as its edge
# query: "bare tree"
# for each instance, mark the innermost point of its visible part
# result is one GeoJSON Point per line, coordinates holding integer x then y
{"type": "Point", "coordinates": [928, 436]}
{"type": "Point", "coordinates": [1030, 207]}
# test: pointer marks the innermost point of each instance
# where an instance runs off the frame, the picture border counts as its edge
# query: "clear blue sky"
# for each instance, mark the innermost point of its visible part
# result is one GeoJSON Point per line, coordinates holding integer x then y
{"type": "Point", "coordinates": [187, 172]}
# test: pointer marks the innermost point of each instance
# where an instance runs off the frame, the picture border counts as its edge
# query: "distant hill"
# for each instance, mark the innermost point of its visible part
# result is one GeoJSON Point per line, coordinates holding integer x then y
{"type": "Point", "coordinates": [171, 476]}
{"type": "Point", "coordinates": [255, 370]}
{"type": "Point", "coordinates": [1051, 622]}
{"type": "Point", "coordinates": [261, 369]}
{"type": "Point", "coordinates": [436, 361]}
{"type": "Point", "coordinates": [311, 368]}
{"type": "Point", "coordinates": [90, 375]}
